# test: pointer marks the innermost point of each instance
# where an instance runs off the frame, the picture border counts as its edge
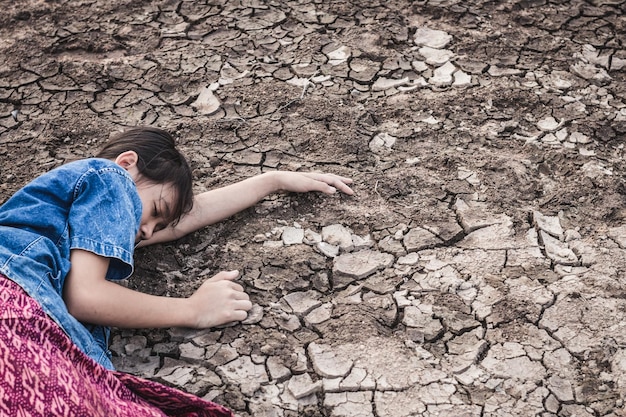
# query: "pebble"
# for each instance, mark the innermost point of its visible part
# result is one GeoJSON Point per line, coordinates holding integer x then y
{"type": "Point", "coordinates": [383, 83]}
{"type": "Point", "coordinates": [328, 250]}
{"type": "Point", "coordinates": [326, 362]}
{"type": "Point", "coordinates": [361, 264]}
{"type": "Point", "coordinates": [548, 124]}
{"type": "Point", "coordinates": [338, 56]}
{"type": "Point", "coordinates": [276, 369]}
{"type": "Point", "coordinates": [382, 142]}
{"type": "Point", "coordinates": [462, 79]}
{"type": "Point", "coordinates": [549, 224]}
{"type": "Point", "coordinates": [431, 38]}
{"type": "Point", "coordinates": [442, 76]}
{"type": "Point", "coordinates": [436, 57]}
{"type": "Point", "coordinates": [302, 385]}
{"type": "Point", "coordinates": [338, 235]}
{"type": "Point", "coordinates": [303, 302]}
{"type": "Point", "coordinates": [418, 239]}
{"type": "Point", "coordinates": [557, 250]}
{"type": "Point", "coordinates": [292, 236]}
{"type": "Point", "coordinates": [206, 103]}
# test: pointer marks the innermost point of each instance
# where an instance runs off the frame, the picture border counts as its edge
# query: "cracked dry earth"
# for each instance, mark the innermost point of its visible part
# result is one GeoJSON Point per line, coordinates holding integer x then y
{"type": "Point", "coordinates": [478, 271]}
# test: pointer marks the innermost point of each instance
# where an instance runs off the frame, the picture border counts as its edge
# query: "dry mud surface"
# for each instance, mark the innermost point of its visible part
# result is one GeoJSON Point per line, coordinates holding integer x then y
{"type": "Point", "coordinates": [480, 268]}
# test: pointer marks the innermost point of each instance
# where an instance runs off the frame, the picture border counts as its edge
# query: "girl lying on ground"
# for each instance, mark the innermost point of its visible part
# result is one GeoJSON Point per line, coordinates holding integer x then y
{"type": "Point", "coordinates": [67, 235]}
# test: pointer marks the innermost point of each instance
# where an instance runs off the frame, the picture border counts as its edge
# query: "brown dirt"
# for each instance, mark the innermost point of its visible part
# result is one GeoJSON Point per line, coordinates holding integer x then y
{"type": "Point", "coordinates": [76, 71]}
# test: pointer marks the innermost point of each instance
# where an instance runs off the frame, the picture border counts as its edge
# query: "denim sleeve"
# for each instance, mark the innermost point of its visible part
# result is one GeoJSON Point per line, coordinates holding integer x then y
{"type": "Point", "coordinates": [104, 218]}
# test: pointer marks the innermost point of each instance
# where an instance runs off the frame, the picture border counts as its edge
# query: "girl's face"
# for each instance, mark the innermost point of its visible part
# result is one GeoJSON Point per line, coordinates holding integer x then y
{"type": "Point", "coordinates": [157, 200]}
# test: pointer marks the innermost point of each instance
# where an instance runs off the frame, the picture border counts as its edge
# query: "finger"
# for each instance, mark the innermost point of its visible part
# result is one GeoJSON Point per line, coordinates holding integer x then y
{"type": "Point", "coordinates": [225, 275]}
{"type": "Point", "coordinates": [345, 180]}
{"type": "Point", "coordinates": [343, 187]}
{"type": "Point", "coordinates": [237, 288]}
{"type": "Point", "coordinates": [340, 184]}
{"type": "Point", "coordinates": [240, 294]}
{"type": "Point", "coordinates": [334, 182]}
{"type": "Point", "coordinates": [239, 315]}
{"type": "Point", "coordinates": [244, 305]}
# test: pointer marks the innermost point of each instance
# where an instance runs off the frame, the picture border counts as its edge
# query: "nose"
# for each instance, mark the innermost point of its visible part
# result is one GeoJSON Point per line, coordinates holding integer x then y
{"type": "Point", "coordinates": [146, 231]}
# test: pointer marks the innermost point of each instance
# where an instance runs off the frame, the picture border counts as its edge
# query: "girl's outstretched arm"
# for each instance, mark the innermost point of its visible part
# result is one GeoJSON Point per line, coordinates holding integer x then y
{"type": "Point", "coordinates": [92, 299]}
{"type": "Point", "coordinates": [215, 205]}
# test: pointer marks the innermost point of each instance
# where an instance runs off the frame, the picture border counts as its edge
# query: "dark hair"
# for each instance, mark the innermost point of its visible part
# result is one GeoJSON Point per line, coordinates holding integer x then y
{"type": "Point", "coordinates": [158, 161]}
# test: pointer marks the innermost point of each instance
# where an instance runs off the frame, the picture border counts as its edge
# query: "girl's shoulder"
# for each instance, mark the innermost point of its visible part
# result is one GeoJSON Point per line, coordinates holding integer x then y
{"type": "Point", "coordinates": [76, 172]}
{"type": "Point", "coordinates": [90, 165]}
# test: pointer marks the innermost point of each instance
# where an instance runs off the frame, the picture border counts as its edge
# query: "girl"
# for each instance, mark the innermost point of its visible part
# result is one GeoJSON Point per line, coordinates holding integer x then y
{"type": "Point", "coordinates": [67, 235]}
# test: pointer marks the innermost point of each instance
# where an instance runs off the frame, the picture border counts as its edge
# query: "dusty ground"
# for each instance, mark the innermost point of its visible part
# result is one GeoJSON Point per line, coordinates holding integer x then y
{"type": "Point", "coordinates": [479, 269]}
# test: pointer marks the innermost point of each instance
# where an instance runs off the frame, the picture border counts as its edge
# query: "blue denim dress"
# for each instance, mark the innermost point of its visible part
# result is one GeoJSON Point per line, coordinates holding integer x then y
{"type": "Point", "coordinates": [91, 205]}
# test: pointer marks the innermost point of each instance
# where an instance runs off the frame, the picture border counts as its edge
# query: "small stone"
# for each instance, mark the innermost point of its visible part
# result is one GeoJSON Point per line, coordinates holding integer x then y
{"type": "Point", "coordinates": [496, 71]}
{"type": "Point", "coordinates": [391, 245]}
{"type": "Point", "coordinates": [418, 239]}
{"type": "Point", "coordinates": [557, 250]}
{"type": "Point", "coordinates": [431, 38]}
{"type": "Point", "coordinates": [382, 142]}
{"type": "Point", "coordinates": [302, 385]}
{"type": "Point", "coordinates": [429, 327]}
{"type": "Point", "coordinates": [361, 264]}
{"type": "Point", "coordinates": [136, 343]}
{"type": "Point", "coordinates": [338, 235]}
{"type": "Point", "coordinates": [301, 302]}
{"type": "Point", "coordinates": [292, 236]}
{"type": "Point", "coordinates": [320, 314]}
{"type": "Point", "coordinates": [278, 371]}
{"type": "Point", "coordinates": [273, 244]}
{"type": "Point", "coordinates": [442, 76]}
{"type": "Point", "coordinates": [191, 353]}
{"type": "Point", "coordinates": [326, 363]}
{"type": "Point", "coordinates": [328, 250]}
{"type": "Point", "coordinates": [311, 237]}
{"type": "Point", "coordinates": [434, 56]}
{"type": "Point", "coordinates": [206, 103]}
{"type": "Point", "coordinates": [255, 315]}
{"type": "Point", "coordinates": [338, 56]}
{"type": "Point", "coordinates": [289, 322]}
{"type": "Point", "coordinates": [462, 79]}
{"type": "Point", "coordinates": [178, 376]}
{"type": "Point", "coordinates": [561, 388]}
{"type": "Point", "coordinates": [549, 224]}
{"type": "Point", "coordinates": [548, 124]}
{"type": "Point", "coordinates": [410, 259]}
{"type": "Point", "coordinates": [561, 134]}
{"type": "Point", "coordinates": [383, 83]}
{"type": "Point", "coordinates": [419, 66]}
{"type": "Point", "coordinates": [552, 404]}
{"type": "Point", "coordinates": [577, 137]}
{"type": "Point", "coordinates": [362, 242]}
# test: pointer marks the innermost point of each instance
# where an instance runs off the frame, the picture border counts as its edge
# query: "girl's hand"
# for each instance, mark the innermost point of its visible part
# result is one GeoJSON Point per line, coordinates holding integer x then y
{"type": "Point", "coordinates": [302, 182]}
{"type": "Point", "coordinates": [218, 301]}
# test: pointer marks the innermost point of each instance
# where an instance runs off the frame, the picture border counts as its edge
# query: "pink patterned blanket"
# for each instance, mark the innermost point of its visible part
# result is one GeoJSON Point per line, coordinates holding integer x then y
{"type": "Point", "coordinates": [42, 373]}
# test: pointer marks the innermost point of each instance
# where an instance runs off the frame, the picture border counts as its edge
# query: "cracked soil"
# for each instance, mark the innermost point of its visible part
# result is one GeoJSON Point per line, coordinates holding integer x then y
{"type": "Point", "coordinates": [479, 270]}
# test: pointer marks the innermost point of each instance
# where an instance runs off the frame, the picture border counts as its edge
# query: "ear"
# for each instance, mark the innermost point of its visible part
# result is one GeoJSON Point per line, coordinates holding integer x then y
{"type": "Point", "coordinates": [127, 160]}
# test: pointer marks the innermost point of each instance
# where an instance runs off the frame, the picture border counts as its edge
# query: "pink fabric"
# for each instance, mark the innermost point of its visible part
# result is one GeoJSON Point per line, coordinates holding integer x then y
{"type": "Point", "coordinates": [42, 373]}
